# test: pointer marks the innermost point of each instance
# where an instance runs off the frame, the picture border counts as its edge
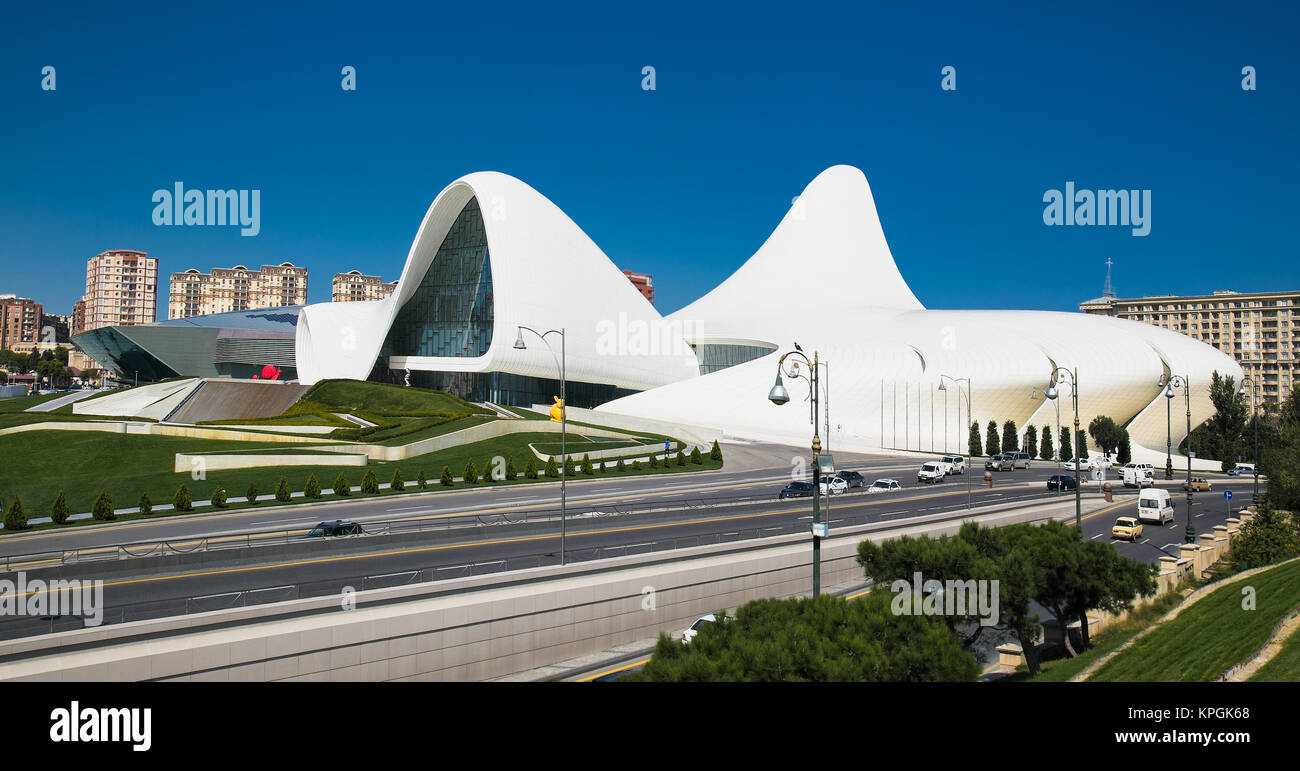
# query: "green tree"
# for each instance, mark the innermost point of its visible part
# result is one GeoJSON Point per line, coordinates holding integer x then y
{"type": "Point", "coordinates": [586, 465]}
{"type": "Point", "coordinates": [218, 498]}
{"type": "Point", "coordinates": [569, 470]}
{"type": "Point", "coordinates": [681, 458]}
{"type": "Point", "coordinates": [470, 475]}
{"type": "Point", "coordinates": [15, 519]}
{"type": "Point", "coordinates": [552, 470]}
{"type": "Point", "coordinates": [181, 500]}
{"type": "Point", "coordinates": [1031, 439]}
{"type": "Point", "coordinates": [282, 492]}
{"type": "Point", "coordinates": [145, 505]}
{"type": "Point", "coordinates": [1222, 437]}
{"type": "Point", "coordinates": [369, 482]}
{"type": "Point", "coordinates": [1010, 438]}
{"type": "Point", "coordinates": [1106, 434]}
{"type": "Point", "coordinates": [59, 511]}
{"type": "Point", "coordinates": [341, 485]}
{"type": "Point", "coordinates": [511, 472]}
{"type": "Point", "coordinates": [974, 447]}
{"type": "Point", "coordinates": [421, 480]}
{"type": "Point", "coordinates": [636, 465]}
{"type": "Point", "coordinates": [654, 461]}
{"type": "Point", "coordinates": [1270, 536]}
{"type": "Point", "coordinates": [102, 509]}
{"type": "Point", "coordinates": [992, 443]}
{"type": "Point", "coordinates": [1080, 444]}
{"type": "Point", "coordinates": [620, 467]}
{"type": "Point", "coordinates": [309, 490]}
{"type": "Point", "coordinates": [1046, 449]}
{"type": "Point", "coordinates": [446, 479]}
{"type": "Point", "coordinates": [530, 469]}
{"type": "Point", "coordinates": [716, 452]}
{"type": "Point", "coordinates": [1124, 453]}
{"type": "Point", "coordinates": [397, 483]}
{"type": "Point", "coordinates": [250, 494]}
{"type": "Point", "coordinates": [825, 639]}
{"type": "Point", "coordinates": [695, 456]}
{"type": "Point", "coordinates": [1066, 453]}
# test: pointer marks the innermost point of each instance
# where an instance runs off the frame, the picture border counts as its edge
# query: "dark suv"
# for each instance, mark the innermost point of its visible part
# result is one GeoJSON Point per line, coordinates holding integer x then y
{"type": "Point", "coordinates": [334, 529]}
{"type": "Point", "coordinates": [852, 477]}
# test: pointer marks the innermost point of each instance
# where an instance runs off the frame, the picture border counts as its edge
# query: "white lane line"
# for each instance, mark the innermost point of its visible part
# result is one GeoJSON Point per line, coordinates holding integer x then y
{"type": "Point", "coordinates": [1095, 537]}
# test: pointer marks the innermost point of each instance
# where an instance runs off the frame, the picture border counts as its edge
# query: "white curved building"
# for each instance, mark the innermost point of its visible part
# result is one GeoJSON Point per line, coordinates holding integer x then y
{"type": "Point", "coordinates": [493, 254]}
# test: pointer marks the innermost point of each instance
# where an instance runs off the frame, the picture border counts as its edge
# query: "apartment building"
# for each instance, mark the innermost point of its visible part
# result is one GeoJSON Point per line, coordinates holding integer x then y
{"type": "Point", "coordinates": [1259, 330]}
{"type": "Point", "coordinates": [20, 323]}
{"type": "Point", "coordinates": [644, 284]}
{"type": "Point", "coordinates": [121, 289]}
{"type": "Point", "coordinates": [236, 289]}
{"type": "Point", "coordinates": [353, 286]}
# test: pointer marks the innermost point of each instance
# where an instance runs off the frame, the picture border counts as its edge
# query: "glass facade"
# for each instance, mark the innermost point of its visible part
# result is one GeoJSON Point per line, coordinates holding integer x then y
{"type": "Point", "coordinates": [511, 390]}
{"type": "Point", "coordinates": [450, 313]}
{"type": "Point", "coordinates": [716, 356]}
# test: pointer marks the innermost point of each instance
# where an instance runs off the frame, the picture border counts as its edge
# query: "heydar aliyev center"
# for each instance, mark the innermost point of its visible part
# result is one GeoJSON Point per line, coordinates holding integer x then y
{"type": "Point", "coordinates": [492, 254]}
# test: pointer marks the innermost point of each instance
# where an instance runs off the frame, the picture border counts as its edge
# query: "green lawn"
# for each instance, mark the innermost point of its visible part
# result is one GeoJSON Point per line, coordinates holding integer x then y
{"type": "Point", "coordinates": [385, 398]}
{"type": "Point", "coordinates": [20, 403]}
{"type": "Point", "coordinates": [1285, 666]}
{"type": "Point", "coordinates": [40, 463]}
{"type": "Point", "coordinates": [1211, 636]}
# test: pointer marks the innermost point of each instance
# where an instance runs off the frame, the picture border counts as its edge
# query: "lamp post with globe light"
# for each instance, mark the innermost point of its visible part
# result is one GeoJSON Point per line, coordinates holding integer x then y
{"type": "Point", "coordinates": [779, 396]}
{"type": "Point", "coordinates": [1255, 419]}
{"type": "Point", "coordinates": [1169, 384]}
{"type": "Point", "coordinates": [1073, 377]}
{"type": "Point", "coordinates": [564, 414]}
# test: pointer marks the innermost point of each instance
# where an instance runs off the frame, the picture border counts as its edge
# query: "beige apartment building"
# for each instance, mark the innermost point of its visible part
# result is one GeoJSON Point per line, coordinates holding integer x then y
{"type": "Point", "coordinates": [236, 289]}
{"type": "Point", "coordinates": [1259, 330]}
{"type": "Point", "coordinates": [121, 288]}
{"type": "Point", "coordinates": [353, 287]}
{"type": "Point", "coordinates": [20, 323]}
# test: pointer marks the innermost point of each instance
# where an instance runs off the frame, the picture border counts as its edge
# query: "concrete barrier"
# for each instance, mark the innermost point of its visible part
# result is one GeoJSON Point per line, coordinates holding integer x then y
{"type": "Point", "coordinates": [210, 462]}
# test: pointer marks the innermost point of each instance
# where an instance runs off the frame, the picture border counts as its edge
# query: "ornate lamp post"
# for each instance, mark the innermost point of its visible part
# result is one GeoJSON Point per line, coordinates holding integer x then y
{"type": "Point", "coordinates": [778, 396]}
{"type": "Point", "coordinates": [1073, 377]}
{"type": "Point", "coordinates": [1180, 381]}
{"type": "Point", "coordinates": [564, 414]}
{"type": "Point", "coordinates": [1254, 416]}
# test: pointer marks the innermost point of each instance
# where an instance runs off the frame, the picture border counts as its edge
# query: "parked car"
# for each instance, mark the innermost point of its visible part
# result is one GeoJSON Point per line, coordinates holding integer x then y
{"type": "Point", "coordinates": [1100, 461]}
{"type": "Point", "coordinates": [930, 473]}
{"type": "Point", "coordinates": [1127, 528]}
{"type": "Point", "coordinates": [1020, 459]}
{"type": "Point", "coordinates": [334, 529]}
{"type": "Point", "coordinates": [1242, 471]}
{"type": "Point", "coordinates": [993, 462]}
{"type": "Point", "coordinates": [1136, 476]}
{"type": "Point", "coordinates": [1077, 464]}
{"type": "Point", "coordinates": [1062, 482]}
{"type": "Point", "coordinates": [1155, 505]}
{"type": "Point", "coordinates": [957, 462]}
{"type": "Point", "coordinates": [852, 477]}
{"type": "Point", "coordinates": [833, 485]}
{"type": "Point", "coordinates": [884, 486]}
{"type": "Point", "coordinates": [797, 490]}
{"type": "Point", "coordinates": [1199, 485]}
{"type": "Point", "coordinates": [689, 633]}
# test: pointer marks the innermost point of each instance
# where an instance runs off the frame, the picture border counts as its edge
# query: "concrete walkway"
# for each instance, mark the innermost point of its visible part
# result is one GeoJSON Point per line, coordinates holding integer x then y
{"type": "Point", "coordinates": [54, 404]}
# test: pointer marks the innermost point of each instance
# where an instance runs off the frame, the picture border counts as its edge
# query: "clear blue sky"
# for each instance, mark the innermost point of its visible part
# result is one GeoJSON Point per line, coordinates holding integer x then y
{"type": "Point", "coordinates": [685, 182]}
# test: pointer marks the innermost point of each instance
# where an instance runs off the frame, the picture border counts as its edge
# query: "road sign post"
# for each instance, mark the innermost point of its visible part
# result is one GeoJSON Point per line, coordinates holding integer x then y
{"type": "Point", "coordinates": [1227, 501]}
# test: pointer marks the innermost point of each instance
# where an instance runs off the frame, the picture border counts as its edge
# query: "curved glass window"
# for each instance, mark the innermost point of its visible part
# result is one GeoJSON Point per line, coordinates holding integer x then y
{"type": "Point", "coordinates": [450, 313]}
{"type": "Point", "coordinates": [716, 356]}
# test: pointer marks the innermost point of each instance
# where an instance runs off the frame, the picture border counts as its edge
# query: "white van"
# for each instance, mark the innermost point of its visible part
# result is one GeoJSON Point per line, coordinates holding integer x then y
{"type": "Point", "coordinates": [931, 472]}
{"type": "Point", "coordinates": [1136, 476]}
{"type": "Point", "coordinates": [1155, 505]}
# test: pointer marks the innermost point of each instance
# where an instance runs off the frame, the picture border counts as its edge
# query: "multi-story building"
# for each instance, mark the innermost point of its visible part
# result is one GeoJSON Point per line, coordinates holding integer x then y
{"type": "Point", "coordinates": [236, 289]}
{"type": "Point", "coordinates": [121, 289]}
{"type": "Point", "coordinates": [20, 323]}
{"type": "Point", "coordinates": [352, 287]}
{"type": "Point", "coordinates": [1261, 330]}
{"type": "Point", "coordinates": [643, 283]}
{"type": "Point", "coordinates": [78, 317]}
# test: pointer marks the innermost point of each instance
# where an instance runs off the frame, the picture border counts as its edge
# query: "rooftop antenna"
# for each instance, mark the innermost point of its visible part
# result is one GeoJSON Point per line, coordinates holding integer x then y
{"type": "Point", "coordinates": [1108, 290]}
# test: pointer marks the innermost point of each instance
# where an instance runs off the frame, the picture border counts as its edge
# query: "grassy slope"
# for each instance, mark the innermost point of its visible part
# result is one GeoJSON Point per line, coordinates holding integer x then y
{"type": "Point", "coordinates": [1210, 636]}
{"type": "Point", "coordinates": [1285, 666]}
{"type": "Point", "coordinates": [20, 403]}
{"type": "Point", "coordinates": [385, 399]}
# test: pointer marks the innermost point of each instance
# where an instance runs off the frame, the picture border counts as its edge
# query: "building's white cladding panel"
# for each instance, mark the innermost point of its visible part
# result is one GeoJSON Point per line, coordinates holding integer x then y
{"type": "Point", "coordinates": [826, 280]}
{"type": "Point", "coordinates": [546, 274]}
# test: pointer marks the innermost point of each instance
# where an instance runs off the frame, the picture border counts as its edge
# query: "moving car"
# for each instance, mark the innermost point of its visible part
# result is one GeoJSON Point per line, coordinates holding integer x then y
{"type": "Point", "coordinates": [1077, 464]}
{"type": "Point", "coordinates": [1242, 470]}
{"type": "Point", "coordinates": [1127, 528]}
{"type": "Point", "coordinates": [852, 477]}
{"type": "Point", "coordinates": [884, 486]}
{"type": "Point", "coordinates": [957, 462]}
{"type": "Point", "coordinates": [993, 462]}
{"type": "Point", "coordinates": [1062, 482]}
{"type": "Point", "coordinates": [1155, 505]}
{"type": "Point", "coordinates": [1199, 485]}
{"type": "Point", "coordinates": [1138, 477]}
{"type": "Point", "coordinates": [1020, 459]}
{"type": "Point", "coordinates": [334, 529]}
{"type": "Point", "coordinates": [833, 485]}
{"type": "Point", "coordinates": [930, 473]}
{"type": "Point", "coordinates": [797, 490]}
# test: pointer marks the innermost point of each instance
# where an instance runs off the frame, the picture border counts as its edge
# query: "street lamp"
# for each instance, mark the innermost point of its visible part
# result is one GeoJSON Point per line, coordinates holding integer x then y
{"type": "Point", "coordinates": [779, 396]}
{"type": "Point", "coordinates": [969, 415]}
{"type": "Point", "coordinates": [1180, 381]}
{"type": "Point", "coordinates": [1073, 377]}
{"type": "Point", "coordinates": [564, 414]}
{"type": "Point", "coordinates": [1254, 416]}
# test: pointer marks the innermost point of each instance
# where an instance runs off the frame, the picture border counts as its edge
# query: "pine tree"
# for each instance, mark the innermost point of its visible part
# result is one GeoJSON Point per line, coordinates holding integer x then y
{"type": "Point", "coordinates": [15, 519]}
{"type": "Point", "coordinates": [620, 467]}
{"type": "Point", "coordinates": [59, 511]}
{"type": "Point", "coordinates": [282, 492]}
{"type": "Point", "coordinates": [470, 474]}
{"type": "Point", "coordinates": [369, 482]}
{"type": "Point", "coordinates": [311, 489]}
{"type": "Point", "coordinates": [1031, 439]}
{"type": "Point", "coordinates": [695, 456]}
{"type": "Point", "coordinates": [446, 479]}
{"type": "Point", "coordinates": [992, 444]}
{"type": "Point", "coordinates": [146, 505]}
{"type": "Point", "coordinates": [636, 465]}
{"type": "Point", "coordinates": [421, 481]}
{"type": "Point", "coordinates": [511, 472]}
{"type": "Point", "coordinates": [102, 509]}
{"type": "Point", "coordinates": [218, 498]}
{"type": "Point", "coordinates": [681, 458]}
{"type": "Point", "coordinates": [251, 494]}
{"type": "Point", "coordinates": [716, 452]}
{"type": "Point", "coordinates": [569, 470]}
{"type": "Point", "coordinates": [397, 482]}
{"type": "Point", "coordinates": [586, 464]}
{"type": "Point", "coordinates": [974, 447]}
{"type": "Point", "coordinates": [530, 469]}
{"type": "Point", "coordinates": [1125, 453]}
{"type": "Point", "coordinates": [1047, 449]}
{"type": "Point", "coordinates": [654, 461]}
{"type": "Point", "coordinates": [341, 485]}
{"type": "Point", "coordinates": [552, 470]}
{"type": "Point", "coordinates": [1010, 441]}
{"type": "Point", "coordinates": [182, 501]}
{"type": "Point", "coordinates": [1066, 452]}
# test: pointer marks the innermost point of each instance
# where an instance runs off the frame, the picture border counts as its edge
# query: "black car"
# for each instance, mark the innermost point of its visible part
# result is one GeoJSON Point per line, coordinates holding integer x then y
{"type": "Point", "coordinates": [797, 490]}
{"type": "Point", "coordinates": [334, 529]}
{"type": "Point", "coordinates": [852, 477]}
{"type": "Point", "coordinates": [1062, 482]}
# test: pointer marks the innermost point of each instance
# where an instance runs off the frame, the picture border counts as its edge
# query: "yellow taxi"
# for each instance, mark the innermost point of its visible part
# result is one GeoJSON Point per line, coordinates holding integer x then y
{"type": "Point", "coordinates": [1127, 528]}
{"type": "Point", "coordinates": [1198, 485]}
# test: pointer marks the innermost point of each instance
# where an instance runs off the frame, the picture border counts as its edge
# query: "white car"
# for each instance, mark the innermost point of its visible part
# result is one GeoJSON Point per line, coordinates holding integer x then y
{"type": "Point", "coordinates": [1099, 461]}
{"type": "Point", "coordinates": [956, 463]}
{"type": "Point", "coordinates": [833, 485]}
{"type": "Point", "coordinates": [1077, 464]}
{"type": "Point", "coordinates": [884, 486]}
{"type": "Point", "coordinates": [931, 472]}
{"type": "Point", "coordinates": [686, 635]}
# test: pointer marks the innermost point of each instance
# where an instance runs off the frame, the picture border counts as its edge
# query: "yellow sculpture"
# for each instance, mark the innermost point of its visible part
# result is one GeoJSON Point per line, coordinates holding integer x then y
{"type": "Point", "coordinates": [557, 410]}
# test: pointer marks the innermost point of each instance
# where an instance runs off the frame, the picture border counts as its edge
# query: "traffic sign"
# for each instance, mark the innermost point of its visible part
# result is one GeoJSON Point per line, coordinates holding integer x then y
{"type": "Point", "coordinates": [1227, 495]}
